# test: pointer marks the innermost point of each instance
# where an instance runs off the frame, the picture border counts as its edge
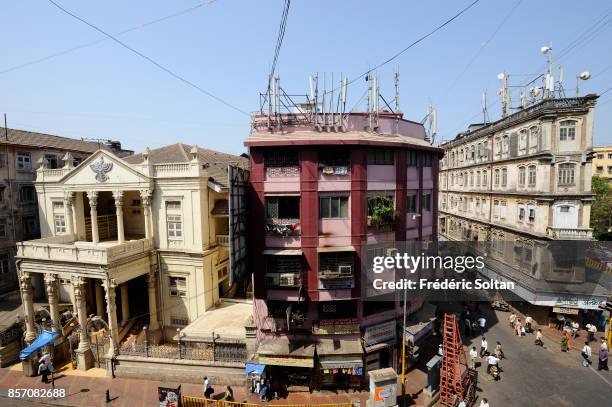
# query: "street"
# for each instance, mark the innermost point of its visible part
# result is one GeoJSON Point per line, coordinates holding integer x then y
{"type": "Point", "coordinates": [535, 376]}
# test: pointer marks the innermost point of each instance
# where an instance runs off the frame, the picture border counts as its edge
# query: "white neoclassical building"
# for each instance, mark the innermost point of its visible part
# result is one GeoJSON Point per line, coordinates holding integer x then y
{"type": "Point", "coordinates": [136, 240]}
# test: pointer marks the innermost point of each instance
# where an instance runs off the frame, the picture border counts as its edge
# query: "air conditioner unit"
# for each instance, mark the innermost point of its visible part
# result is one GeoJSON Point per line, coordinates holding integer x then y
{"type": "Point", "coordinates": [271, 280]}
{"type": "Point", "coordinates": [345, 270]}
{"type": "Point", "coordinates": [288, 280]}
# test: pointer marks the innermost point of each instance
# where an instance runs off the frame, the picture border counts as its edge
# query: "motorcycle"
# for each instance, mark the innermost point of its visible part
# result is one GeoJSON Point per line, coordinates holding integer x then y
{"type": "Point", "coordinates": [500, 306]}
{"type": "Point", "coordinates": [494, 372]}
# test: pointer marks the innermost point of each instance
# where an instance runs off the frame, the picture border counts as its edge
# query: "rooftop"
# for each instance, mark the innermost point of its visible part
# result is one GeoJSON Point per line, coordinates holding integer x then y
{"type": "Point", "coordinates": [226, 320]}
{"type": "Point", "coordinates": [40, 140]}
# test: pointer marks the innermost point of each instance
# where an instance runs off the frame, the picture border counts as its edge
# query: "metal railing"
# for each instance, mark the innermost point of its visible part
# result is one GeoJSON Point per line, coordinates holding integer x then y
{"type": "Point", "coordinates": [10, 334]}
{"type": "Point", "coordinates": [191, 401]}
{"type": "Point", "coordinates": [217, 351]}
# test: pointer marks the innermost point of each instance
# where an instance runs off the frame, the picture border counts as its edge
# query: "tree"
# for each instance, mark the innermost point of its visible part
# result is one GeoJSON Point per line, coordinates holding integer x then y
{"type": "Point", "coordinates": [601, 210]}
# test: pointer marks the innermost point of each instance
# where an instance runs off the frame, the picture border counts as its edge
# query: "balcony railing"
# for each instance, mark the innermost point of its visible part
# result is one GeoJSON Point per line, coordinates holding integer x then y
{"type": "Point", "coordinates": [64, 248]}
{"type": "Point", "coordinates": [570, 233]}
{"type": "Point", "coordinates": [283, 227]}
{"type": "Point", "coordinates": [223, 240]}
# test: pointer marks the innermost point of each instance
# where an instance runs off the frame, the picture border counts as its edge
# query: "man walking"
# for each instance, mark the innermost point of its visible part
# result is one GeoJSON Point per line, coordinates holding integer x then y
{"type": "Point", "coordinates": [528, 324]}
{"type": "Point", "coordinates": [483, 347]}
{"type": "Point", "coordinates": [586, 354]}
{"type": "Point", "coordinates": [482, 322]}
{"type": "Point", "coordinates": [473, 356]}
{"type": "Point", "coordinates": [512, 320]}
{"type": "Point", "coordinates": [491, 361]}
{"type": "Point", "coordinates": [208, 390]}
{"type": "Point", "coordinates": [603, 358]}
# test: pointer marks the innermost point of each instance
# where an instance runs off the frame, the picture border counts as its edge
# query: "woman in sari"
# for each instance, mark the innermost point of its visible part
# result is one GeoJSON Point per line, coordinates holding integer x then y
{"type": "Point", "coordinates": [518, 327]}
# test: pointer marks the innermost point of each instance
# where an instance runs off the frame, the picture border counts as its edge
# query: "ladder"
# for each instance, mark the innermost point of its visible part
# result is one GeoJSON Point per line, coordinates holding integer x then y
{"type": "Point", "coordinates": [455, 381]}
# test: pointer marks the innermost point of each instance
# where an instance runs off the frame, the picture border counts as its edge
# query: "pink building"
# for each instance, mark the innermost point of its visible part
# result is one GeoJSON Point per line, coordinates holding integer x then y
{"type": "Point", "coordinates": [319, 194]}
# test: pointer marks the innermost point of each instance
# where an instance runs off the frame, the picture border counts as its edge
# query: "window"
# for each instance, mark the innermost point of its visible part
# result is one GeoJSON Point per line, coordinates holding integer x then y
{"type": "Point", "coordinates": [58, 206]}
{"type": "Point", "coordinates": [60, 224]}
{"type": "Point", "coordinates": [472, 153]}
{"type": "Point", "coordinates": [27, 194]}
{"type": "Point", "coordinates": [600, 156]}
{"type": "Point", "coordinates": [3, 228]}
{"type": "Point", "coordinates": [566, 174]}
{"type": "Point", "coordinates": [175, 226]}
{"type": "Point", "coordinates": [522, 176]}
{"type": "Point", "coordinates": [333, 207]}
{"type": "Point", "coordinates": [5, 264]}
{"type": "Point", "coordinates": [599, 169]}
{"type": "Point", "coordinates": [24, 161]}
{"type": "Point", "coordinates": [427, 201]}
{"type": "Point", "coordinates": [505, 144]}
{"type": "Point", "coordinates": [532, 213]}
{"type": "Point", "coordinates": [178, 321]}
{"type": "Point", "coordinates": [170, 205]}
{"type": "Point", "coordinates": [523, 140]}
{"type": "Point", "coordinates": [609, 172]}
{"type": "Point", "coordinates": [52, 161]}
{"type": "Point", "coordinates": [504, 177]}
{"type": "Point", "coordinates": [427, 159]}
{"type": "Point", "coordinates": [564, 208]}
{"type": "Point", "coordinates": [496, 209]}
{"type": "Point", "coordinates": [281, 159]}
{"type": "Point", "coordinates": [178, 287]}
{"type": "Point", "coordinates": [471, 178]}
{"type": "Point", "coordinates": [477, 178]}
{"type": "Point", "coordinates": [503, 210]}
{"type": "Point", "coordinates": [567, 130]}
{"type": "Point", "coordinates": [533, 138]}
{"type": "Point", "coordinates": [497, 177]}
{"type": "Point", "coordinates": [29, 227]}
{"type": "Point", "coordinates": [380, 156]}
{"type": "Point", "coordinates": [485, 180]}
{"type": "Point", "coordinates": [283, 207]}
{"type": "Point", "coordinates": [532, 175]}
{"type": "Point", "coordinates": [412, 158]}
{"type": "Point", "coordinates": [498, 146]}
{"type": "Point", "coordinates": [521, 212]}
{"type": "Point", "coordinates": [609, 156]}
{"type": "Point", "coordinates": [411, 203]}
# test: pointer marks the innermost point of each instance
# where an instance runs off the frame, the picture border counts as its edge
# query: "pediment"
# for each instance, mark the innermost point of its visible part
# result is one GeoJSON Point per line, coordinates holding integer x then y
{"type": "Point", "coordinates": [102, 170]}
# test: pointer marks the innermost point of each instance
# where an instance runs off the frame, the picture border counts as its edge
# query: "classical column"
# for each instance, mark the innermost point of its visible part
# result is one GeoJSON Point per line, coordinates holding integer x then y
{"type": "Point", "coordinates": [27, 296]}
{"type": "Point", "coordinates": [118, 195]}
{"type": "Point", "coordinates": [84, 354]}
{"type": "Point", "coordinates": [93, 210]}
{"type": "Point", "coordinates": [68, 207]}
{"type": "Point", "coordinates": [99, 299]}
{"type": "Point", "coordinates": [111, 310]}
{"type": "Point", "coordinates": [145, 197]}
{"type": "Point", "coordinates": [125, 305]}
{"type": "Point", "coordinates": [152, 287]}
{"type": "Point", "coordinates": [52, 296]}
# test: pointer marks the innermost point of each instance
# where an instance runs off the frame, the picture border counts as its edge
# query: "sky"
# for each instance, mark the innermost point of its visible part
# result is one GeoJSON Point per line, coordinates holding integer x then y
{"type": "Point", "coordinates": [104, 91]}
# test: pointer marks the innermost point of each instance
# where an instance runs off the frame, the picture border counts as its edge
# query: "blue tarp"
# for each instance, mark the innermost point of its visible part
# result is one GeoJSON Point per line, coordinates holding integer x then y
{"type": "Point", "coordinates": [254, 368]}
{"type": "Point", "coordinates": [44, 338]}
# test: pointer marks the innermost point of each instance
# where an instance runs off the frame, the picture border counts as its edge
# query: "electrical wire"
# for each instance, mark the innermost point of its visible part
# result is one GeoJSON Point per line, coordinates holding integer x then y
{"type": "Point", "coordinates": [280, 37]}
{"type": "Point", "coordinates": [149, 59]}
{"type": "Point", "coordinates": [98, 41]}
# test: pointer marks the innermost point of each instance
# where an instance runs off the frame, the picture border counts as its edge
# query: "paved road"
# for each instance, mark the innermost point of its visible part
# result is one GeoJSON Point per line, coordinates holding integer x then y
{"type": "Point", "coordinates": [540, 377]}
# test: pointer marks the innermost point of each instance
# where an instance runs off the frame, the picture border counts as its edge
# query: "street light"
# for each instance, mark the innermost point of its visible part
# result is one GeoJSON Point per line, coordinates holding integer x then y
{"type": "Point", "coordinates": [584, 76]}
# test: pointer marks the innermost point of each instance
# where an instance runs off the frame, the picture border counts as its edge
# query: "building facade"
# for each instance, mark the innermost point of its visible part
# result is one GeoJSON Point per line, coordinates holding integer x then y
{"type": "Point", "coordinates": [140, 241]}
{"type": "Point", "coordinates": [21, 154]}
{"type": "Point", "coordinates": [320, 195]}
{"type": "Point", "coordinates": [519, 182]}
{"type": "Point", "coordinates": [602, 162]}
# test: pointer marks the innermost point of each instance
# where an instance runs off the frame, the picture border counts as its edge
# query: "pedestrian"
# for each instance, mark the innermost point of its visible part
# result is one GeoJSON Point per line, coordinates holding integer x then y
{"type": "Point", "coordinates": [484, 403]}
{"type": "Point", "coordinates": [565, 346]}
{"type": "Point", "coordinates": [603, 344]}
{"type": "Point", "coordinates": [586, 354]}
{"type": "Point", "coordinates": [258, 386]}
{"type": "Point", "coordinates": [229, 394]}
{"type": "Point", "coordinates": [592, 331]}
{"type": "Point", "coordinates": [461, 403]}
{"type": "Point", "coordinates": [483, 347]}
{"type": "Point", "coordinates": [512, 320]}
{"type": "Point", "coordinates": [44, 372]}
{"type": "Point", "coordinates": [603, 359]}
{"type": "Point", "coordinates": [518, 327]}
{"type": "Point", "coordinates": [473, 356]}
{"type": "Point", "coordinates": [467, 329]}
{"type": "Point", "coordinates": [528, 324]}
{"type": "Point", "coordinates": [263, 392]}
{"type": "Point", "coordinates": [499, 352]}
{"type": "Point", "coordinates": [208, 390]}
{"type": "Point", "coordinates": [575, 326]}
{"type": "Point", "coordinates": [539, 341]}
{"type": "Point", "coordinates": [482, 322]}
{"type": "Point", "coordinates": [491, 361]}
{"type": "Point", "coordinates": [560, 322]}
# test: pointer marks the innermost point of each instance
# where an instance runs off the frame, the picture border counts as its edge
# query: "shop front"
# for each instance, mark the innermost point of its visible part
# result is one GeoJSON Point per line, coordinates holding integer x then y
{"type": "Point", "coordinates": [379, 342]}
{"type": "Point", "coordinates": [340, 364]}
{"type": "Point", "coordinates": [290, 364]}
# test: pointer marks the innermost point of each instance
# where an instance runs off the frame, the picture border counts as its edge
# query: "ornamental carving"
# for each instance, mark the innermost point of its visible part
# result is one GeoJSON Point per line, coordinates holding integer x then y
{"type": "Point", "coordinates": [101, 168]}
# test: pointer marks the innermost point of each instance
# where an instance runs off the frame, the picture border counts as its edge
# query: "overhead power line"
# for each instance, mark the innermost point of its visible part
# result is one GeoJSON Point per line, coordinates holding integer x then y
{"type": "Point", "coordinates": [412, 44]}
{"type": "Point", "coordinates": [149, 59]}
{"type": "Point", "coordinates": [280, 37]}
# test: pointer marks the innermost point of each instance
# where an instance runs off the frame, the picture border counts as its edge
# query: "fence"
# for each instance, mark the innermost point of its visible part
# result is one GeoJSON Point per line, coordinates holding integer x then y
{"type": "Point", "coordinates": [218, 351]}
{"type": "Point", "coordinates": [190, 401]}
{"type": "Point", "coordinates": [10, 334]}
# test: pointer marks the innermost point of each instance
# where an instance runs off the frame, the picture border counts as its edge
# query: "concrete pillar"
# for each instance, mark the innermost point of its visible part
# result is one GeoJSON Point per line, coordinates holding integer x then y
{"type": "Point", "coordinates": [84, 354]}
{"type": "Point", "coordinates": [118, 195]}
{"type": "Point", "coordinates": [68, 208]}
{"type": "Point", "coordinates": [152, 287]}
{"type": "Point", "coordinates": [99, 299]}
{"type": "Point", "coordinates": [125, 305]}
{"type": "Point", "coordinates": [111, 310]}
{"type": "Point", "coordinates": [53, 297]}
{"type": "Point", "coordinates": [27, 298]}
{"type": "Point", "coordinates": [93, 210]}
{"type": "Point", "coordinates": [145, 197]}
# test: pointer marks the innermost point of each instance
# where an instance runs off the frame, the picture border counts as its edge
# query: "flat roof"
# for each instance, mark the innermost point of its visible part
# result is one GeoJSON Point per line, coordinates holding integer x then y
{"type": "Point", "coordinates": [226, 320]}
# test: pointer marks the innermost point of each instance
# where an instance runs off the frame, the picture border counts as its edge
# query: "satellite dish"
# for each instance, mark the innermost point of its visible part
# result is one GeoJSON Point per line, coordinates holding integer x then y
{"type": "Point", "coordinates": [585, 75]}
{"type": "Point", "coordinates": [545, 50]}
{"type": "Point", "coordinates": [501, 76]}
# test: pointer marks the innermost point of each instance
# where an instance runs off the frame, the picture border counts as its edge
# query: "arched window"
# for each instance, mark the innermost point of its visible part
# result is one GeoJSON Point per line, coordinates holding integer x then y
{"type": "Point", "coordinates": [485, 181]}
{"type": "Point", "coordinates": [522, 176]}
{"type": "Point", "coordinates": [566, 174]}
{"type": "Point", "coordinates": [533, 138]}
{"type": "Point", "coordinates": [504, 177]}
{"type": "Point", "coordinates": [523, 140]}
{"type": "Point", "coordinates": [567, 130]}
{"type": "Point", "coordinates": [497, 177]}
{"type": "Point", "coordinates": [532, 175]}
{"type": "Point", "coordinates": [505, 144]}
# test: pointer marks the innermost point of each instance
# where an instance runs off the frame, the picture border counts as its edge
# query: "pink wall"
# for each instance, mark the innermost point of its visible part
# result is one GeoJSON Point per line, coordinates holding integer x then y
{"type": "Point", "coordinates": [282, 184]}
{"type": "Point", "coordinates": [334, 182]}
{"type": "Point", "coordinates": [427, 178]}
{"type": "Point", "coordinates": [381, 177]}
{"type": "Point", "coordinates": [284, 295]}
{"type": "Point", "coordinates": [412, 178]}
{"type": "Point", "coordinates": [329, 295]}
{"type": "Point", "coordinates": [282, 241]}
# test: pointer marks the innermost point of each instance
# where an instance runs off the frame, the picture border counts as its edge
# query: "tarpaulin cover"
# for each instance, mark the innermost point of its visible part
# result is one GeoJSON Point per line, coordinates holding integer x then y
{"type": "Point", "coordinates": [254, 368]}
{"type": "Point", "coordinates": [44, 338]}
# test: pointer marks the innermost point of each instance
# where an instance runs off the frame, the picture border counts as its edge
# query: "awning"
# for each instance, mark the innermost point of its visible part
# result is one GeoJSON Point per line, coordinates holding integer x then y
{"type": "Point", "coordinates": [254, 368]}
{"type": "Point", "coordinates": [340, 363]}
{"type": "Point", "coordinates": [329, 249]}
{"type": "Point", "coordinates": [283, 252]}
{"type": "Point", "coordinates": [285, 353]}
{"type": "Point", "coordinates": [43, 339]}
{"type": "Point", "coordinates": [339, 347]}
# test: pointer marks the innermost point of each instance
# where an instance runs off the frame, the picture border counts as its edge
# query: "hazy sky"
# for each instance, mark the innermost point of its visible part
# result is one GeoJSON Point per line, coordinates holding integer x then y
{"type": "Point", "coordinates": [105, 91]}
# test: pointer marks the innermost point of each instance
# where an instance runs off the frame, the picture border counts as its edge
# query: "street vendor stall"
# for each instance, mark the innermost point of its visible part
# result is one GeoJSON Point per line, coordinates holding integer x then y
{"type": "Point", "coordinates": [340, 363]}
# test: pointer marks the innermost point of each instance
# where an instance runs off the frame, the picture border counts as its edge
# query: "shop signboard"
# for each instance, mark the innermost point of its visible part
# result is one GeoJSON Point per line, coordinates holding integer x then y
{"type": "Point", "coordinates": [336, 326]}
{"type": "Point", "coordinates": [285, 361]}
{"type": "Point", "coordinates": [565, 310]}
{"type": "Point", "coordinates": [379, 333]}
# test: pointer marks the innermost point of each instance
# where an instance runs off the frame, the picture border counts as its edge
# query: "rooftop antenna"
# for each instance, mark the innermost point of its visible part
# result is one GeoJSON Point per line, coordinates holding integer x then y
{"type": "Point", "coordinates": [504, 92]}
{"type": "Point", "coordinates": [397, 91]}
{"type": "Point", "coordinates": [323, 99]}
{"type": "Point", "coordinates": [523, 98]}
{"type": "Point", "coordinates": [369, 80]}
{"type": "Point", "coordinates": [343, 88]}
{"type": "Point", "coordinates": [331, 103]}
{"type": "Point", "coordinates": [314, 97]}
{"type": "Point", "coordinates": [549, 80]}
{"type": "Point", "coordinates": [561, 90]}
{"type": "Point", "coordinates": [485, 111]}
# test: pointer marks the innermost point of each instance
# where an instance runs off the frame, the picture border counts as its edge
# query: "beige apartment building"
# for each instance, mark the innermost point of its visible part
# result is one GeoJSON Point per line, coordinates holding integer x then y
{"type": "Point", "coordinates": [521, 181]}
{"type": "Point", "coordinates": [141, 240]}
{"type": "Point", "coordinates": [21, 154]}
{"type": "Point", "coordinates": [602, 162]}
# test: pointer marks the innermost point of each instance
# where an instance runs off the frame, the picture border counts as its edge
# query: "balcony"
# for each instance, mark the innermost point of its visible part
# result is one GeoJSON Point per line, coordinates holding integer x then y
{"type": "Point", "coordinates": [64, 248]}
{"type": "Point", "coordinates": [569, 233]}
{"type": "Point", "coordinates": [223, 240]}
{"type": "Point", "coordinates": [283, 280]}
